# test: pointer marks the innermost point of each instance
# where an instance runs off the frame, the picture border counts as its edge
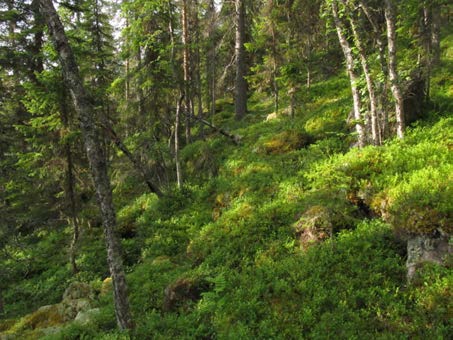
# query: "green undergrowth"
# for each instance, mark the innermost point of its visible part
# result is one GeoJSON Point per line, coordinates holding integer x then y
{"type": "Point", "coordinates": [223, 257]}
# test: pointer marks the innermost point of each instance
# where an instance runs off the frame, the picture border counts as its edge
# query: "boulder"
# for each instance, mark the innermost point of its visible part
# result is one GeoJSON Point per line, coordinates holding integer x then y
{"type": "Point", "coordinates": [78, 290]}
{"type": "Point", "coordinates": [183, 291]}
{"type": "Point", "coordinates": [426, 249]}
{"type": "Point", "coordinates": [70, 308]}
{"type": "Point", "coordinates": [84, 317]}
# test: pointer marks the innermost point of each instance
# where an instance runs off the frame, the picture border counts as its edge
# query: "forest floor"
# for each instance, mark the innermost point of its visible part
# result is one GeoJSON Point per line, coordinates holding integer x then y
{"type": "Point", "coordinates": [292, 234]}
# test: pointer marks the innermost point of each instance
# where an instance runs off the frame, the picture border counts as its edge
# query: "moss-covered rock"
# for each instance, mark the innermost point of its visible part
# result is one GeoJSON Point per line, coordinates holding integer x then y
{"type": "Point", "coordinates": [78, 290]}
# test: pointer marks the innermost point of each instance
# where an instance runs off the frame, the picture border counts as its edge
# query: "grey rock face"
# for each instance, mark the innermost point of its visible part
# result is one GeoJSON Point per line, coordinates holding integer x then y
{"type": "Point", "coordinates": [426, 248]}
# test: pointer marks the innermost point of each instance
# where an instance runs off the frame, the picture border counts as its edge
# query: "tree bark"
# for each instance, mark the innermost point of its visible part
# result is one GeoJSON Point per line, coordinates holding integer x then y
{"type": "Point", "coordinates": [353, 77]}
{"type": "Point", "coordinates": [98, 163]}
{"type": "Point", "coordinates": [177, 162]}
{"type": "Point", "coordinates": [186, 67]}
{"type": "Point", "coordinates": [369, 81]}
{"type": "Point", "coordinates": [240, 103]}
{"type": "Point", "coordinates": [383, 100]}
{"type": "Point", "coordinates": [390, 19]}
{"type": "Point", "coordinates": [211, 58]}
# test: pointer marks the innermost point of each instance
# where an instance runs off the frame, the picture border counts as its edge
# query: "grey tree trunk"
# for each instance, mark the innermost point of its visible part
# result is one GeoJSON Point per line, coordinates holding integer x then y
{"type": "Point", "coordinates": [98, 163]}
{"type": "Point", "coordinates": [177, 162]}
{"type": "Point", "coordinates": [186, 67]}
{"type": "Point", "coordinates": [240, 103]}
{"type": "Point", "coordinates": [369, 80]}
{"type": "Point", "coordinates": [435, 34]}
{"type": "Point", "coordinates": [211, 58]}
{"type": "Point", "coordinates": [353, 77]}
{"type": "Point", "coordinates": [390, 19]}
{"type": "Point", "coordinates": [383, 90]}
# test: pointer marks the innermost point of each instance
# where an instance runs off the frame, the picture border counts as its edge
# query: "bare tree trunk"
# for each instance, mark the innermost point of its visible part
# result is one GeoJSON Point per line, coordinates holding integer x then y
{"type": "Point", "coordinates": [369, 81]}
{"type": "Point", "coordinates": [390, 19]}
{"type": "Point", "coordinates": [139, 167]}
{"type": "Point", "coordinates": [177, 162]}
{"type": "Point", "coordinates": [70, 189]}
{"type": "Point", "coordinates": [211, 58]}
{"type": "Point", "coordinates": [383, 100]}
{"type": "Point", "coordinates": [98, 163]}
{"type": "Point", "coordinates": [435, 34]}
{"type": "Point", "coordinates": [197, 62]}
{"type": "Point", "coordinates": [353, 77]}
{"type": "Point", "coordinates": [240, 102]}
{"type": "Point", "coordinates": [186, 66]}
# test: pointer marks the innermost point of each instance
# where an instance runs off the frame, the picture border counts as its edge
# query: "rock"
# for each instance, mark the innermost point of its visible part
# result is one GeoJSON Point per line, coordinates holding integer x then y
{"type": "Point", "coordinates": [84, 317]}
{"type": "Point", "coordinates": [78, 290]}
{"type": "Point", "coordinates": [182, 291]}
{"type": "Point", "coordinates": [71, 308]}
{"type": "Point", "coordinates": [426, 248]}
{"type": "Point", "coordinates": [44, 317]}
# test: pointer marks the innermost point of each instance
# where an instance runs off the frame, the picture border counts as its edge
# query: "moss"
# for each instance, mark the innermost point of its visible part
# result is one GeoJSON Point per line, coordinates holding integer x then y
{"type": "Point", "coordinates": [46, 316]}
{"type": "Point", "coordinates": [285, 142]}
{"type": "Point", "coordinates": [7, 324]}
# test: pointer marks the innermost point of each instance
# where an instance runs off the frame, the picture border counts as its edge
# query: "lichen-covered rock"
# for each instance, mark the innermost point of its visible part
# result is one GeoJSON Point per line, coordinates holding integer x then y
{"type": "Point", "coordinates": [45, 316]}
{"type": "Point", "coordinates": [70, 308]}
{"type": "Point", "coordinates": [84, 317]}
{"type": "Point", "coordinates": [78, 290]}
{"type": "Point", "coordinates": [426, 248]}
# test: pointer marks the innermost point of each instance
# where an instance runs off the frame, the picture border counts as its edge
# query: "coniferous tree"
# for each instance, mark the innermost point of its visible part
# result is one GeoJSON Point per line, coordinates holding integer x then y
{"type": "Point", "coordinates": [96, 156]}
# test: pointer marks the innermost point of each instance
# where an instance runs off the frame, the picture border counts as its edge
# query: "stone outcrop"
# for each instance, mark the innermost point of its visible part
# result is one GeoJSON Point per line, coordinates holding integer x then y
{"type": "Point", "coordinates": [426, 249]}
{"type": "Point", "coordinates": [78, 298]}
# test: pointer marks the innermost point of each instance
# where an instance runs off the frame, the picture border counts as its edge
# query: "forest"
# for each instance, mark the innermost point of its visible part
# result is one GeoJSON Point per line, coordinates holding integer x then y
{"type": "Point", "coordinates": [226, 169]}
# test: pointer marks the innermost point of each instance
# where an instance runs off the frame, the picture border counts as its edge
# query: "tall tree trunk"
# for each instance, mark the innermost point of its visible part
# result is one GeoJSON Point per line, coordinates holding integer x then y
{"type": "Point", "coordinates": [390, 18]}
{"type": "Point", "coordinates": [383, 100]}
{"type": "Point", "coordinates": [353, 77]}
{"type": "Point", "coordinates": [186, 67]}
{"type": "Point", "coordinates": [98, 163]}
{"type": "Point", "coordinates": [197, 61]}
{"type": "Point", "coordinates": [369, 81]}
{"type": "Point", "coordinates": [435, 33]}
{"type": "Point", "coordinates": [211, 59]}
{"type": "Point", "coordinates": [70, 187]}
{"type": "Point", "coordinates": [177, 161]}
{"type": "Point", "coordinates": [240, 103]}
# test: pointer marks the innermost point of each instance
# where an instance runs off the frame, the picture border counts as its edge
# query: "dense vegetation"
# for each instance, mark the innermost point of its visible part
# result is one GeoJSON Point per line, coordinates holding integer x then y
{"type": "Point", "coordinates": [291, 224]}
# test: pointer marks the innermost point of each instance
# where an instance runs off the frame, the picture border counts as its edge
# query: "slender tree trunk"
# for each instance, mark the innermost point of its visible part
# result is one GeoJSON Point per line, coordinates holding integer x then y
{"type": "Point", "coordinates": [211, 59]}
{"type": "Point", "coordinates": [197, 61]}
{"type": "Point", "coordinates": [292, 103]}
{"type": "Point", "coordinates": [390, 19]}
{"type": "Point", "coordinates": [70, 188]}
{"type": "Point", "coordinates": [177, 161]}
{"type": "Point", "coordinates": [240, 102]}
{"type": "Point", "coordinates": [139, 167]}
{"type": "Point", "coordinates": [186, 67]}
{"type": "Point", "coordinates": [274, 69]}
{"type": "Point", "coordinates": [435, 33]}
{"type": "Point", "coordinates": [353, 77]}
{"type": "Point", "coordinates": [98, 163]}
{"type": "Point", "coordinates": [383, 90]}
{"type": "Point", "coordinates": [369, 81]}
